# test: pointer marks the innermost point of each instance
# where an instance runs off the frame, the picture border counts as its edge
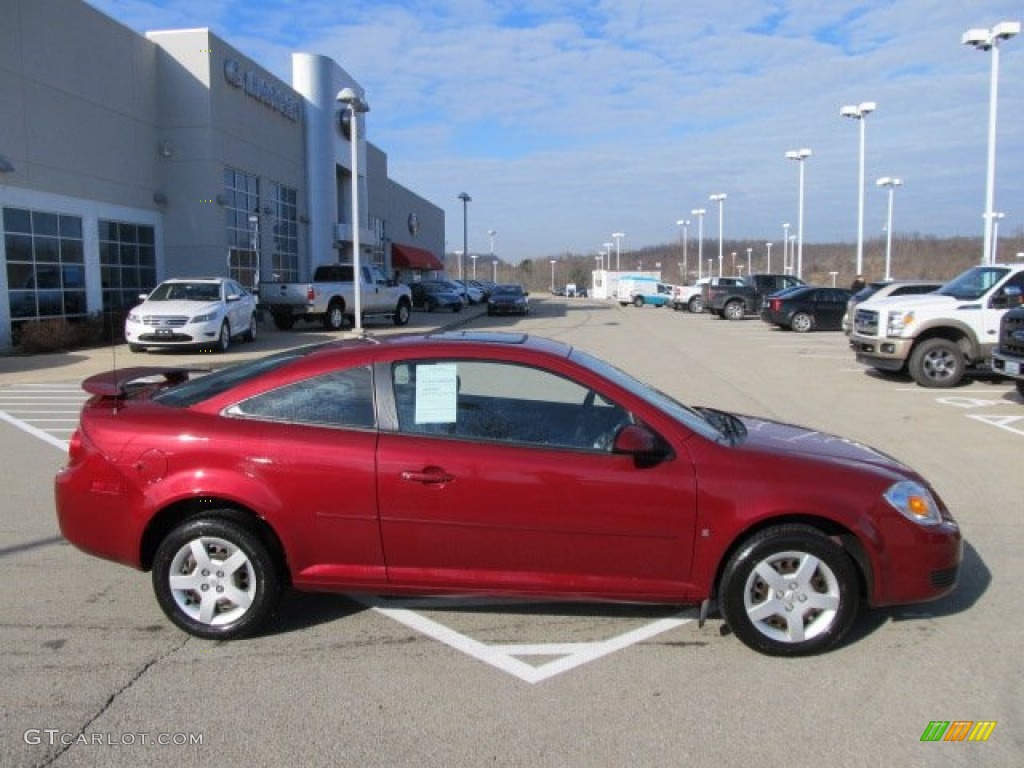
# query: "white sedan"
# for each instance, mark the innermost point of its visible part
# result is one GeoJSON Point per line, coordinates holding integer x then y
{"type": "Point", "coordinates": [204, 312]}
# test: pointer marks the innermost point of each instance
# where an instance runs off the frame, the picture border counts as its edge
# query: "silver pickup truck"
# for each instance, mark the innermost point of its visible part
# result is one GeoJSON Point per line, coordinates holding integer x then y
{"type": "Point", "coordinates": [330, 298]}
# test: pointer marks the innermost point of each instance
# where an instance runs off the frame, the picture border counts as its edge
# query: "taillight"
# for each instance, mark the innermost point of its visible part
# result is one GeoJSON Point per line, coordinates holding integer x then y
{"type": "Point", "coordinates": [75, 447]}
{"type": "Point", "coordinates": [776, 304]}
{"type": "Point", "coordinates": [310, 294]}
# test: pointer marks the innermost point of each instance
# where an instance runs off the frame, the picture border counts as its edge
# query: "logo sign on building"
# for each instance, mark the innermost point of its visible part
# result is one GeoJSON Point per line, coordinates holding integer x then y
{"type": "Point", "coordinates": [262, 89]}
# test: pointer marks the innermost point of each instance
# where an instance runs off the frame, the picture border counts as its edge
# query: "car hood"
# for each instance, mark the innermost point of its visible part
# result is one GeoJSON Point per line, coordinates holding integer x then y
{"type": "Point", "coordinates": [916, 301]}
{"type": "Point", "coordinates": [779, 438]}
{"type": "Point", "coordinates": [177, 307]}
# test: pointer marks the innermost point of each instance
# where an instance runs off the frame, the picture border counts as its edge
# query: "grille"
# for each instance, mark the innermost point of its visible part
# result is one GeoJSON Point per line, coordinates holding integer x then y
{"type": "Point", "coordinates": [1011, 334]}
{"type": "Point", "coordinates": [866, 322]}
{"type": "Point", "coordinates": [164, 321]}
{"type": "Point", "coordinates": [945, 577]}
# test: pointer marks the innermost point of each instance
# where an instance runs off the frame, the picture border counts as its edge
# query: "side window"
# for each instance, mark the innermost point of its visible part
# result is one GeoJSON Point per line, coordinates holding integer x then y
{"type": "Point", "coordinates": [504, 402]}
{"type": "Point", "coordinates": [335, 399]}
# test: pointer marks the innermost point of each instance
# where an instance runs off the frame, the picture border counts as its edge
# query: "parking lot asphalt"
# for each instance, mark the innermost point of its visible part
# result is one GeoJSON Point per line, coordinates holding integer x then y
{"type": "Point", "coordinates": [94, 674]}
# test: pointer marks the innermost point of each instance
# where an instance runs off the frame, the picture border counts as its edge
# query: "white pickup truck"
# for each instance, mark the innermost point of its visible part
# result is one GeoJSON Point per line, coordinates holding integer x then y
{"type": "Point", "coordinates": [936, 337]}
{"type": "Point", "coordinates": [330, 298]}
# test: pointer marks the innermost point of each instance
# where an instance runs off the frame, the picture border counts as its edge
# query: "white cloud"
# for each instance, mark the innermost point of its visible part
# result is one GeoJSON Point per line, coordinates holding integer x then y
{"type": "Point", "coordinates": [566, 120]}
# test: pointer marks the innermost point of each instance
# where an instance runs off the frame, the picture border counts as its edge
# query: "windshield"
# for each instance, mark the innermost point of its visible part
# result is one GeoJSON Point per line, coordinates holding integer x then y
{"type": "Point", "coordinates": [200, 389]}
{"type": "Point", "coordinates": [687, 416]}
{"type": "Point", "coordinates": [974, 283]}
{"type": "Point", "coordinates": [180, 291]}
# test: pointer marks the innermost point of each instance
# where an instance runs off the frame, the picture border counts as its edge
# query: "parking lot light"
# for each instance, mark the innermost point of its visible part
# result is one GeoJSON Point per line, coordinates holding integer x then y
{"type": "Point", "coordinates": [860, 112]}
{"type": "Point", "coordinates": [800, 155]}
{"type": "Point", "coordinates": [890, 183]}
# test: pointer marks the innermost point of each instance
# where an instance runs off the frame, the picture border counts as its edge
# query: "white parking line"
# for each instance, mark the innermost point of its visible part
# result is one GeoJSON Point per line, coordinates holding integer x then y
{"type": "Point", "coordinates": [504, 657]}
{"type": "Point", "coordinates": [46, 437]}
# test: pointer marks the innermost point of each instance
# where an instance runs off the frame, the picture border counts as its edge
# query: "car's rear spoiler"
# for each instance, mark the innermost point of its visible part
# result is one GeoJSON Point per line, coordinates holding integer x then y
{"type": "Point", "coordinates": [116, 383]}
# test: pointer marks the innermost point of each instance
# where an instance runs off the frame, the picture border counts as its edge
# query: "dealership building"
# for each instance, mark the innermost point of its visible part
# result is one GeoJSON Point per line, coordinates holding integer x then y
{"type": "Point", "coordinates": [126, 159]}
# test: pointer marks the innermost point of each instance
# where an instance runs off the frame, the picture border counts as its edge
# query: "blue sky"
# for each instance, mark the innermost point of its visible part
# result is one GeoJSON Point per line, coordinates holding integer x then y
{"type": "Point", "coordinates": [567, 120]}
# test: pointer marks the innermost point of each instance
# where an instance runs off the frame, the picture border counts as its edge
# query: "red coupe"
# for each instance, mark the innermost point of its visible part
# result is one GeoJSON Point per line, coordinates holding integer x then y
{"type": "Point", "coordinates": [488, 463]}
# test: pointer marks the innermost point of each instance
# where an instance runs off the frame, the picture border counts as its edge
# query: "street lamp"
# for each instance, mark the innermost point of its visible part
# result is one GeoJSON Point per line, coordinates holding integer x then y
{"type": "Point", "coordinates": [985, 40]}
{"type": "Point", "coordinates": [997, 216]}
{"type": "Point", "coordinates": [553, 262]}
{"type": "Point", "coordinates": [768, 262]}
{"type": "Point", "coordinates": [685, 224]}
{"type": "Point", "coordinates": [719, 197]}
{"type": "Point", "coordinates": [254, 220]}
{"type": "Point", "coordinates": [749, 270]}
{"type": "Point", "coordinates": [608, 252]}
{"type": "Point", "coordinates": [356, 106]}
{"type": "Point", "coordinates": [473, 257]}
{"type": "Point", "coordinates": [618, 247]}
{"type": "Point", "coordinates": [800, 155]}
{"type": "Point", "coordinates": [466, 199]}
{"type": "Point", "coordinates": [699, 213]}
{"type": "Point", "coordinates": [891, 183]}
{"type": "Point", "coordinates": [785, 248]}
{"type": "Point", "coordinates": [859, 112]}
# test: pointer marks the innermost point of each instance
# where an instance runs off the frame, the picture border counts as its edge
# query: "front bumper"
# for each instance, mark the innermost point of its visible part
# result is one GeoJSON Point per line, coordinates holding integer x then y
{"type": "Point", "coordinates": [1011, 367]}
{"type": "Point", "coordinates": [888, 354]}
{"type": "Point", "coordinates": [190, 334]}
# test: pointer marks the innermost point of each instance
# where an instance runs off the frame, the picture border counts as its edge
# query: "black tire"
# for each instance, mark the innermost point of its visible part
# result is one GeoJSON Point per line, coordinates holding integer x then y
{"type": "Point", "coordinates": [136, 348]}
{"type": "Point", "coordinates": [696, 305]}
{"type": "Point", "coordinates": [223, 339]}
{"type": "Point", "coordinates": [248, 593]}
{"type": "Point", "coordinates": [457, 307]}
{"type": "Point", "coordinates": [334, 318]}
{"type": "Point", "coordinates": [803, 614]}
{"type": "Point", "coordinates": [733, 310]}
{"type": "Point", "coordinates": [402, 313]}
{"type": "Point", "coordinates": [1020, 387]}
{"type": "Point", "coordinates": [284, 322]}
{"type": "Point", "coordinates": [937, 363]}
{"type": "Point", "coordinates": [638, 301]}
{"type": "Point", "coordinates": [430, 305]}
{"type": "Point", "coordinates": [802, 322]}
{"type": "Point", "coordinates": [250, 335]}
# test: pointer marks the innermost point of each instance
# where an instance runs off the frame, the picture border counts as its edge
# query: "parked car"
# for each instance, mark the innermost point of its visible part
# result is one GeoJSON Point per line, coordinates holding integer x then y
{"type": "Point", "coordinates": [487, 463]}
{"type": "Point", "coordinates": [806, 308]}
{"type": "Point", "coordinates": [882, 288]}
{"type": "Point", "coordinates": [205, 312]}
{"type": "Point", "coordinates": [455, 286]}
{"type": "Point", "coordinates": [511, 299]}
{"type": "Point", "coordinates": [432, 296]}
{"type": "Point", "coordinates": [474, 292]}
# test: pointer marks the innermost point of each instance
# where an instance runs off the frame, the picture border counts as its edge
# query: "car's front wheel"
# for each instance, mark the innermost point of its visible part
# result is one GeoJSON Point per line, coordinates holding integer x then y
{"type": "Point", "coordinates": [790, 591]}
{"type": "Point", "coordinates": [215, 579]}
{"type": "Point", "coordinates": [696, 305]}
{"type": "Point", "coordinates": [937, 363]}
{"type": "Point", "coordinates": [223, 339]}
{"type": "Point", "coordinates": [250, 335]}
{"type": "Point", "coordinates": [733, 310]}
{"type": "Point", "coordinates": [402, 313]}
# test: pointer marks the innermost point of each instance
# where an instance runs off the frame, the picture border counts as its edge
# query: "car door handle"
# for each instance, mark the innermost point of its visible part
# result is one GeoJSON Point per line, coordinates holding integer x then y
{"type": "Point", "coordinates": [428, 475]}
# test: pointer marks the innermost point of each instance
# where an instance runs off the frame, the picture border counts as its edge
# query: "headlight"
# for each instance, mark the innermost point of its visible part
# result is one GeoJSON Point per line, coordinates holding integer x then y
{"type": "Point", "coordinates": [133, 318]}
{"type": "Point", "coordinates": [914, 502]}
{"type": "Point", "coordinates": [204, 318]}
{"type": "Point", "coordinates": [898, 322]}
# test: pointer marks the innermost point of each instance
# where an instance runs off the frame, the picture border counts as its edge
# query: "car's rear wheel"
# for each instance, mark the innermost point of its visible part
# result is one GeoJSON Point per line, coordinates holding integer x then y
{"type": "Point", "coordinates": [1020, 387]}
{"type": "Point", "coordinates": [215, 579]}
{"type": "Point", "coordinates": [790, 591]}
{"type": "Point", "coordinates": [733, 310]}
{"type": "Point", "coordinates": [802, 322]}
{"type": "Point", "coordinates": [937, 363]}
{"type": "Point", "coordinates": [250, 335]}
{"type": "Point", "coordinates": [402, 313]}
{"type": "Point", "coordinates": [136, 348]}
{"type": "Point", "coordinates": [334, 318]}
{"type": "Point", "coordinates": [638, 301]}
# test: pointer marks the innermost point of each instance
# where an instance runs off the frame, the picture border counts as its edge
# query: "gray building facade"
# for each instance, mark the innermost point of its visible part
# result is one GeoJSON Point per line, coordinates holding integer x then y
{"type": "Point", "coordinates": [126, 159]}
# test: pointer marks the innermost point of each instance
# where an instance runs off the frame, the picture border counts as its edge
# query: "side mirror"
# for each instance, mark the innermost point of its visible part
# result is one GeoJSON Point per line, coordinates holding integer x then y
{"type": "Point", "coordinates": [636, 440]}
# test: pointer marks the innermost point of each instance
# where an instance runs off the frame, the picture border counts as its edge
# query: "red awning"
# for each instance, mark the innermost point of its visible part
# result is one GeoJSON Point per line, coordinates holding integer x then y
{"type": "Point", "coordinates": [411, 257]}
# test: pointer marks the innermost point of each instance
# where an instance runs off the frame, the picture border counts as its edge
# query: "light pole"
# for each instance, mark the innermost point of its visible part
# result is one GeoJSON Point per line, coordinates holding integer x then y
{"type": "Point", "coordinates": [768, 261]}
{"type": "Point", "coordinates": [890, 183]}
{"type": "Point", "coordinates": [473, 257]}
{"type": "Point", "coordinates": [785, 248]}
{"type": "Point", "coordinates": [618, 247]}
{"type": "Point", "coordinates": [608, 251]}
{"type": "Point", "coordinates": [860, 112]}
{"type": "Point", "coordinates": [685, 224]}
{"type": "Point", "coordinates": [800, 155]}
{"type": "Point", "coordinates": [356, 106]}
{"type": "Point", "coordinates": [699, 213]}
{"type": "Point", "coordinates": [749, 270]}
{"type": "Point", "coordinates": [553, 262]}
{"type": "Point", "coordinates": [494, 271]}
{"type": "Point", "coordinates": [985, 40]}
{"type": "Point", "coordinates": [997, 216]}
{"type": "Point", "coordinates": [491, 233]}
{"type": "Point", "coordinates": [254, 219]}
{"type": "Point", "coordinates": [466, 200]}
{"type": "Point", "coordinates": [719, 197]}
